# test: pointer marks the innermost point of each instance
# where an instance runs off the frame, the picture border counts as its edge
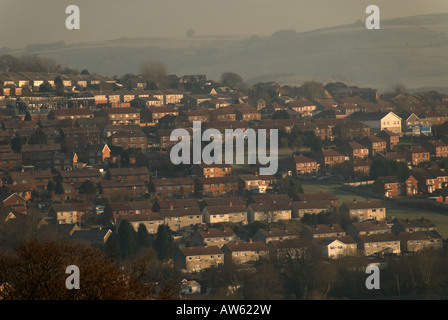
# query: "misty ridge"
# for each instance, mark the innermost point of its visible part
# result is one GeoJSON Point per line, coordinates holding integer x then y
{"type": "Point", "coordinates": [409, 50]}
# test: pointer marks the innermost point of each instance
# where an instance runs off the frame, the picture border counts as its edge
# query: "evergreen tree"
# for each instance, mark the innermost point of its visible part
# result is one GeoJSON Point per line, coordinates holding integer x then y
{"type": "Point", "coordinates": [88, 187]}
{"type": "Point", "coordinates": [59, 188]}
{"type": "Point", "coordinates": [144, 239]}
{"type": "Point", "coordinates": [164, 243]}
{"type": "Point", "coordinates": [127, 238]}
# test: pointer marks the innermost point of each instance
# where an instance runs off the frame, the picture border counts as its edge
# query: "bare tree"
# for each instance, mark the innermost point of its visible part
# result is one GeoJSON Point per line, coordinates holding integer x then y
{"type": "Point", "coordinates": [155, 73]}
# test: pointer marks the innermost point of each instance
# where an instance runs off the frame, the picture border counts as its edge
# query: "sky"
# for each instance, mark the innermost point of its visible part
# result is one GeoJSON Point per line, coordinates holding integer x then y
{"type": "Point", "coordinates": [24, 22]}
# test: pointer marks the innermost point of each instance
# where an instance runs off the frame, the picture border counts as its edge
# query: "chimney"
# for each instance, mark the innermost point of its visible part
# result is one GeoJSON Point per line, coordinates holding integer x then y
{"type": "Point", "coordinates": [250, 240]}
{"type": "Point", "coordinates": [230, 203]}
{"type": "Point", "coordinates": [171, 206]}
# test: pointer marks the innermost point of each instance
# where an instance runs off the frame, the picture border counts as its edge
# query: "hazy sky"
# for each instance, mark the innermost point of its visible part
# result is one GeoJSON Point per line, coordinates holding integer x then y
{"type": "Point", "coordinates": [25, 22]}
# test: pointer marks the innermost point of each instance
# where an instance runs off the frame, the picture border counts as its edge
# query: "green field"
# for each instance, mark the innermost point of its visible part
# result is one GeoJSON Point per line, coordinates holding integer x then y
{"type": "Point", "coordinates": [393, 209]}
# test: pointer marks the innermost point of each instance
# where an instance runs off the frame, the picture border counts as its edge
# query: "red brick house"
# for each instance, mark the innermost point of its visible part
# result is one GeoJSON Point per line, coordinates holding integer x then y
{"type": "Point", "coordinates": [171, 188]}
{"type": "Point", "coordinates": [304, 165]}
{"type": "Point", "coordinates": [437, 148]}
{"type": "Point", "coordinates": [124, 115]}
{"type": "Point", "coordinates": [391, 138]}
{"type": "Point", "coordinates": [329, 157]}
{"type": "Point", "coordinates": [416, 155]}
{"type": "Point", "coordinates": [216, 186]}
{"type": "Point", "coordinates": [375, 144]}
{"type": "Point", "coordinates": [211, 170]}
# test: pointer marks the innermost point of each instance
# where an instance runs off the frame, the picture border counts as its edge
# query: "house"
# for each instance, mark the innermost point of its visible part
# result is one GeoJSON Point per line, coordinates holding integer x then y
{"type": "Point", "coordinates": [300, 208]}
{"type": "Point", "coordinates": [368, 227]}
{"type": "Point", "coordinates": [304, 165]}
{"type": "Point", "coordinates": [222, 201]}
{"type": "Point", "coordinates": [430, 180]}
{"type": "Point", "coordinates": [160, 204]}
{"type": "Point", "coordinates": [379, 244]}
{"type": "Point", "coordinates": [212, 237]}
{"type": "Point", "coordinates": [190, 287]}
{"type": "Point", "coordinates": [38, 179]}
{"type": "Point", "coordinates": [69, 213]}
{"type": "Point", "coordinates": [218, 214]}
{"type": "Point", "coordinates": [420, 240]}
{"type": "Point", "coordinates": [178, 219]}
{"type": "Point", "coordinates": [414, 225]}
{"type": "Point", "coordinates": [355, 150]}
{"type": "Point", "coordinates": [379, 121]}
{"type": "Point", "coordinates": [171, 188]}
{"type": "Point", "coordinates": [97, 237]}
{"type": "Point", "coordinates": [245, 252]}
{"type": "Point", "coordinates": [335, 248]}
{"type": "Point", "coordinates": [415, 126]}
{"type": "Point", "coordinates": [10, 160]}
{"type": "Point", "coordinates": [389, 187]}
{"type": "Point", "coordinates": [269, 212]}
{"type": "Point", "coordinates": [437, 148]}
{"type": "Point", "coordinates": [216, 186]}
{"type": "Point", "coordinates": [151, 221]}
{"type": "Point", "coordinates": [132, 173]}
{"type": "Point", "coordinates": [245, 112]}
{"type": "Point", "coordinates": [391, 138]}
{"type": "Point", "coordinates": [80, 175]}
{"type": "Point", "coordinates": [70, 113]}
{"type": "Point", "coordinates": [154, 114]}
{"type": "Point", "coordinates": [195, 259]}
{"type": "Point", "coordinates": [254, 183]}
{"type": "Point", "coordinates": [122, 115]}
{"type": "Point", "coordinates": [349, 130]}
{"type": "Point", "coordinates": [74, 136]}
{"type": "Point", "coordinates": [328, 158]}
{"type": "Point", "coordinates": [304, 107]}
{"type": "Point", "coordinates": [364, 210]}
{"type": "Point", "coordinates": [319, 196]}
{"type": "Point", "coordinates": [416, 155]}
{"type": "Point", "coordinates": [332, 230]}
{"type": "Point", "coordinates": [294, 248]}
{"type": "Point", "coordinates": [114, 210]}
{"type": "Point", "coordinates": [375, 144]}
{"type": "Point", "coordinates": [93, 154]}
{"type": "Point", "coordinates": [135, 189]}
{"type": "Point", "coordinates": [13, 201]}
{"type": "Point", "coordinates": [212, 170]}
{"type": "Point", "coordinates": [275, 234]}
{"type": "Point", "coordinates": [129, 139]}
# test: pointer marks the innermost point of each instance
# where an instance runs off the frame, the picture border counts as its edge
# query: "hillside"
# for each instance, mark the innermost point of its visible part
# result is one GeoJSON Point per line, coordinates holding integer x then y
{"type": "Point", "coordinates": [411, 50]}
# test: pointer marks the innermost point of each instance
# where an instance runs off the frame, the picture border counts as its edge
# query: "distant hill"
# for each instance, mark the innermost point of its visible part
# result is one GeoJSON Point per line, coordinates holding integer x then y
{"type": "Point", "coordinates": [411, 50]}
